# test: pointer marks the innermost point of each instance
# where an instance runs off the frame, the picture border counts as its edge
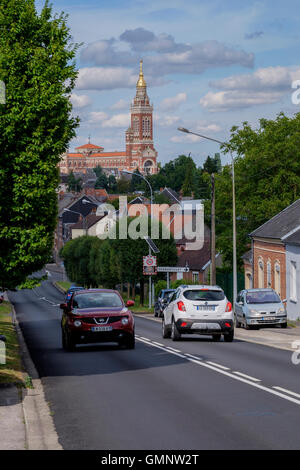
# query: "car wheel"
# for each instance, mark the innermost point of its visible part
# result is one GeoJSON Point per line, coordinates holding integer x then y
{"type": "Point", "coordinates": [175, 335]}
{"type": "Point", "coordinates": [283, 325]}
{"type": "Point", "coordinates": [68, 341]}
{"type": "Point", "coordinates": [237, 323]}
{"type": "Point", "coordinates": [130, 343]}
{"type": "Point", "coordinates": [155, 313]}
{"type": "Point", "coordinates": [228, 338]}
{"type": "Point", "coordinates": [165, 330]}
{"type": "Point", "coordinates": [216, 337]}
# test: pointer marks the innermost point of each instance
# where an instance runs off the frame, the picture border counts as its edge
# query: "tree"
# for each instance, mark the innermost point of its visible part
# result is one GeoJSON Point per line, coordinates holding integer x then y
{"type": "Point", "coordinates": [123, 185]}
{"type": "Point", "coordinates": [111, 184]}
{"type": "Point", "coordinates": [74, 184]}
{"type": "Point", "coordinates": [136, 181]}
{"type": "Point", "coordinates": [188, 186]}
{"type": "Point", "coordinates": [36, 125]}
{"type": "Point", "coordinates": [101, 181]}
{"type": "Point", "coordinates": [267, 175]}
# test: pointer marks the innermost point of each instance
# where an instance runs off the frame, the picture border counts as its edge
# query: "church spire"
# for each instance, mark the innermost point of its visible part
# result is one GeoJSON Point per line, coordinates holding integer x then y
{"type": "Point", "coordinates": [141, 81]}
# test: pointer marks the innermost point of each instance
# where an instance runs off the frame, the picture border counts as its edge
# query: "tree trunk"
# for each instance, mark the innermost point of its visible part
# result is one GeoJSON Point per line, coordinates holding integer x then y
{"type": "Point", "coordinates": [142, 292]}
{"type": "Point", "coordinates": [133, 291]}
{"type": "Point", "coordinates": [128, 290]}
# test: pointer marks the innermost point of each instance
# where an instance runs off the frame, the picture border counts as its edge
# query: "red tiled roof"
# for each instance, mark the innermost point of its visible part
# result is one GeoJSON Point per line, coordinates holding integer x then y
{"type": "Point", "coordinates": [108, 154]}
{"type": "Point", "coordinates": [89, 146]}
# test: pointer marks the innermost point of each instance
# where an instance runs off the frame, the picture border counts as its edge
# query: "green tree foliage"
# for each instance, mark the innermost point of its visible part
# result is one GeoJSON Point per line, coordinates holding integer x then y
{"type": "Point", "coordinates": [111, 184]}
{"type": "Point", "coordinates": [74, 184]}
{"type": "Point", "coordinates": [123, 186]}
{"type": "Point", "coordinates": [267, 174]}
{"type": "Point", "coordinates": [93, 262]}
{"type": "Point", "coordinates": [36, 125]}
{"type": "Point", "coordinates": [188, 186]}
{"type": "Point", "coordinates": [136, 182]}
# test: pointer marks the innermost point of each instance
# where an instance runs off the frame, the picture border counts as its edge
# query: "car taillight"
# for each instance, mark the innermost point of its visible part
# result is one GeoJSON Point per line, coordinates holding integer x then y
{"type": "Point", "coordinates": [228, 307]}
{"type": "Point", "coordinates": [181, 306]}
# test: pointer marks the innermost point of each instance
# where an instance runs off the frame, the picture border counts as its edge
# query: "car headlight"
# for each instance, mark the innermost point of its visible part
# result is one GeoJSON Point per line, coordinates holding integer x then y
{"type": "Point", "coordinates": [253, 312]}
{"type": "Point", "coordinates": [281, 310]}
{"type": "Point", "coordinates": [77, 323]}
{"type": "Point", "coordinates": [125, 321]}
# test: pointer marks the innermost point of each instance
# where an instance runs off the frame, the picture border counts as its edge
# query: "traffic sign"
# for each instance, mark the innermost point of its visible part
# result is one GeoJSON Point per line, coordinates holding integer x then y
{"type": "Point", "coordinates": [172, 269]}
{"type": "Point", "coordinates": [149, 265]}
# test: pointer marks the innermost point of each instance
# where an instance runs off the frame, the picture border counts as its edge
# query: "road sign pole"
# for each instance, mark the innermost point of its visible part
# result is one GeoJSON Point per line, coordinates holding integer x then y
{"type": "Point", "coordinates": [168, 280]}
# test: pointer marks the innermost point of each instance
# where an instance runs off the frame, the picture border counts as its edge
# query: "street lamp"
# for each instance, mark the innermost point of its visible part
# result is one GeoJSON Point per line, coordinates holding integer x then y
{"type": "Point", "coordinates": [187, 131]}
{"type": "Point", "coordinates": [151, 204]}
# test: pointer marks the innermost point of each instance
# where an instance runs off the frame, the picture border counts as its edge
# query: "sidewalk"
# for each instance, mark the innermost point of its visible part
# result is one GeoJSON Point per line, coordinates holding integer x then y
{"type": "Point", "coordinates": [273, 337]}
{"type": "Point", "coordinates": [25, 420]}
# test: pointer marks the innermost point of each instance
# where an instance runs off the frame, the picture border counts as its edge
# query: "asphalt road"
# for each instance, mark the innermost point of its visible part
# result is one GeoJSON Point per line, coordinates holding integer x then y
{"type": "Point", "coordinates": [192, 396]}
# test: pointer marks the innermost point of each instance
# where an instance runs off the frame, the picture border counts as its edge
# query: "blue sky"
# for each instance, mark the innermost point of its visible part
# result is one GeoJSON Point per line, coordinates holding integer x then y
{"type": "Point", "coordinates": [209, 65]}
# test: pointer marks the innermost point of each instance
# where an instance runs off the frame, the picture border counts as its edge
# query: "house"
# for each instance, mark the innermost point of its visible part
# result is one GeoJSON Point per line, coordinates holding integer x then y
{"type": "Point", "coordinates": [274, 259]}
{"type": "Point", "coordinates": [86, 225]}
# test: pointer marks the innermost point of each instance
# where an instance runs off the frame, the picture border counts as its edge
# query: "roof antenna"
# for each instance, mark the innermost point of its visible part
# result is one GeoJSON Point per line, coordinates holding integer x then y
{"type": "Point", "coordinates": [89, 138]}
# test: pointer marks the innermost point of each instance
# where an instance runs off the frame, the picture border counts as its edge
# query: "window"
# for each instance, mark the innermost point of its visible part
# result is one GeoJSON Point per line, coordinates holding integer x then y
{"type": "Point", "coordinates": [293, 281]}
{"type": "Point", "coordinates": [136, 125]}
{"type": "Point", "coordinates": [262, 297]}
{"type": "Point", "coordinates": [269, 281]}
{"type": "Point", "coordinates": [204, 294]}
{"type": "Point", "coordinates": [195, 276]}
{"type": "Point", "coordinates": [277, 277]}
{"type": "Point", "coordinates": [260, 273]}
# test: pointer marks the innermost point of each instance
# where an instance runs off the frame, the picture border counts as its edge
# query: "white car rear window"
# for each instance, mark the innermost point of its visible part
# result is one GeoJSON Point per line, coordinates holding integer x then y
{"type": "Point", "coordinates": [204, 294]}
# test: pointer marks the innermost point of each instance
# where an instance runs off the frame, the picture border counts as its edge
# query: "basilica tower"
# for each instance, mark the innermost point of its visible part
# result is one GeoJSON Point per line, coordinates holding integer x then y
{"type": "Point", "coordinates": [139, 137]}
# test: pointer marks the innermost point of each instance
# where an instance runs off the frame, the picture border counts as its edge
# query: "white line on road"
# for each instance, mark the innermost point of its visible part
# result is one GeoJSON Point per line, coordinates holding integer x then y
{"type": "Point", "coordinates": [287, 391]}
{"type": "Point", "coordinates": [173, 349]}
{"type": "Point", "coordinates": [251, 382]}
{"type": "Point", "coordinates": [155, 342]}
{"type": "Point", "coordinates": [194, 357]}
{"type": "Point", "coordinates": [217, 365]}
{"type": "Point", "coordinates": [247, 376]}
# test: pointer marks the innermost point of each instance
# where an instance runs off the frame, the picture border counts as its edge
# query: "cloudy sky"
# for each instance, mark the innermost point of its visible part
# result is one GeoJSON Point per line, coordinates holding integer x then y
{"type": "Point", "coordinates": [208, 64]}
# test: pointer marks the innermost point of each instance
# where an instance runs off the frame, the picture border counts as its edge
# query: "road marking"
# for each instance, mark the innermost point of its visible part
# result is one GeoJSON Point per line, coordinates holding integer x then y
{"type": "Point", "coordinates": [242, 379]}
{"type": "Point", "coordinates": [217, 365]}
{"type": "Point", "coordinates": [194, 357]}
{"type": "Point", "coordinates": [247, 376]}
{"type": "Point", "coordinates": [146, 339]}
{"type": "Point", "coordinates": [173, 349]}
{"type": "Point", "coordinates": [155, 342]}
{"type": "Point", "coordinates": [287, 391]}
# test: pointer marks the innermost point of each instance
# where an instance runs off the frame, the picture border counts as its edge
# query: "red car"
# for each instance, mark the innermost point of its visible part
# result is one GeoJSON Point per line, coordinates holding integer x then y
{"type": "Point", "coordinates": [97, 315]}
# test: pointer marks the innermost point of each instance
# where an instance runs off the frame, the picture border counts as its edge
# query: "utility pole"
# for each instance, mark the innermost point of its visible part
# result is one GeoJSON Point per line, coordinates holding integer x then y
{"type": "Point", "coordinates": [213, 233]}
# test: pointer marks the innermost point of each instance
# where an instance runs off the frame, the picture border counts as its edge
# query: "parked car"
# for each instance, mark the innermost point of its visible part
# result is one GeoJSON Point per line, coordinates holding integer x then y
{"type": "Point", "coordinates": [97, 315]}
{"type": "Point", "coordinates": [162, 301]}
{"type": "Point", "coordinates": [1, 297]}
{"type": "Point", "coordinates": [71, 290]}
{"type": "Point", "coordinates": [198, 309]}
{"type": "Point", "coordinates": [255, 308]}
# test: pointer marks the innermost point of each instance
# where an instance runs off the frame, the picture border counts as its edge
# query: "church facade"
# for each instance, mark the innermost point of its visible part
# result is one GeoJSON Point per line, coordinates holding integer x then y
{"type": "Point", "coordinates": [140, 152]}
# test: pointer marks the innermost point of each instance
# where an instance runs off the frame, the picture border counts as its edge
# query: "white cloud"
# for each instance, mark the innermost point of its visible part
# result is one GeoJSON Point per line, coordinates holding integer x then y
{"type": "Point", "coordinates": [205, 127]}
{"type": "Point", "coordinates": [166, 120]}
{"type": "Point", "coordinates": [96, 117]}
{"type": "Point", "coordinates": [264, 86]}
{"type": "Point", "coordinates": [118, 120]}
{"type": "Point", "coordinates": [80, 101]}
{"type": "Point", "coordinates": [185, 138]}
{"type": "Point", "coordinates": [121, 104]}
{"type": "Point", "coordinates": [100, 78]}
{"type": "Point", "coordinates": [174, 102]}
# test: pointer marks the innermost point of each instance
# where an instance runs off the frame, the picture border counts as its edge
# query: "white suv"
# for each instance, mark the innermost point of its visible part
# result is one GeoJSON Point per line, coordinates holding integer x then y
{"type": "Point", "coordinates": [202, 310]}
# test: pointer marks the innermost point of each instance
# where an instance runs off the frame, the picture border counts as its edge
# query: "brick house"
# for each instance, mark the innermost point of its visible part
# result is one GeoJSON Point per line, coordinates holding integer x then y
{"type": "Point", "coordinates": [266, 264]}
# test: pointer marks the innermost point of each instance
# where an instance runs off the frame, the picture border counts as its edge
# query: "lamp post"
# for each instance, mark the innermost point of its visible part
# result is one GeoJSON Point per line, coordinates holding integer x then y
{"type": "Point", "coordinates": [183, 129]}
{"type": "Point", "coordinates": [151, 215]}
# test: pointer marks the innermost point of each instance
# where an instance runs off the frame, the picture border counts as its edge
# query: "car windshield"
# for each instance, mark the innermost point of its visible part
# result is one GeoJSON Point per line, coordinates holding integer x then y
{"type": "Point", "coordinates": [263, 297]}
{"type": "Point", "coordinates": [204, 294]}
{"type": "Point", "coordinates": [97, 300]}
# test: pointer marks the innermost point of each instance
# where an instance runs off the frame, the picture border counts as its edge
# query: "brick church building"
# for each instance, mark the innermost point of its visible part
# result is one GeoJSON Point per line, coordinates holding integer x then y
{"type": "Point", "coordinates": [140, 152]}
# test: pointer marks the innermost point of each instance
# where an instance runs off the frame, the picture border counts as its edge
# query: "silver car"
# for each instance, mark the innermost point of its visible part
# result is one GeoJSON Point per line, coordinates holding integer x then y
{"type": "Point", "coordinates": [255, 308]}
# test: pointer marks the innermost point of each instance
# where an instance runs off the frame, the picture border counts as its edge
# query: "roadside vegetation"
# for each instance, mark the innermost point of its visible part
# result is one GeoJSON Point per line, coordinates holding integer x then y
{"type": "Point", "coordinates": [11, 372]}
{"type": "Point", "coordinates": [92, 262]}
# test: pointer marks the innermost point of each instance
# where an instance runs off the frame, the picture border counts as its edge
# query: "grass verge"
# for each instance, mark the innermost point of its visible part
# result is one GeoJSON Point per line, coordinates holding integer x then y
{"type": "Point", "coordinates": [65, 285]}
{"type": "Point", "coordinates": [12, 371]}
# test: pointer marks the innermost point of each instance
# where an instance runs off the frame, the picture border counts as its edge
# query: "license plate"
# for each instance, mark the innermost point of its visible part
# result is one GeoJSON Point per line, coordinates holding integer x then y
{"type": "Point", "coordinates": [205, 308]}
{"type": "Point", "coordinates": [206, 326]}
{"type": "Point", "coordinates": [101, 328]}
